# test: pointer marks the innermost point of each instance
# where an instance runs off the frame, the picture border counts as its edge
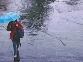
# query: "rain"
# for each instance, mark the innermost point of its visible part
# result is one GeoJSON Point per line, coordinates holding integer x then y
{"type": "Point", "coordinates": [53, 30]}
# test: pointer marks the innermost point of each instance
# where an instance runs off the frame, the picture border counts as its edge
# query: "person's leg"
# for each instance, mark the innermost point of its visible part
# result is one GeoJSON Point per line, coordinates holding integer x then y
{"type": "Point", "coordinates": [18, 43]}
{"type": "Point", "coordinates": [15, 48]}
{"type": "Point", "coordinates": [17, 53]}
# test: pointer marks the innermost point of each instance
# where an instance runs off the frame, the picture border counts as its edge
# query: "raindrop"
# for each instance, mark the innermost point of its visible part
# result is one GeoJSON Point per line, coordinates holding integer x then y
{"type": "Point", "coordinates": [67, 23]}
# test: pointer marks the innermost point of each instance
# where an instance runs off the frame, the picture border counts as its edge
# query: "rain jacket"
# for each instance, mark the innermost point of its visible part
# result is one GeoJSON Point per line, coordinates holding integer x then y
{"type": "Point", "coordinates": [15, 29]}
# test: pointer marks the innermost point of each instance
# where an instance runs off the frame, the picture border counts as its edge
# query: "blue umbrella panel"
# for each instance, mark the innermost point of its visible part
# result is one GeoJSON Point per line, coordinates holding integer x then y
{"type": "Point", "coordinates": [9, 17]}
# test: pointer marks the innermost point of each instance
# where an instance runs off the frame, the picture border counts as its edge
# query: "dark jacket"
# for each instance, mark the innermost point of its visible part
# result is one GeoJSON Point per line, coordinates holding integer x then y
{"type": "Point", "coordinates": [14, 30]}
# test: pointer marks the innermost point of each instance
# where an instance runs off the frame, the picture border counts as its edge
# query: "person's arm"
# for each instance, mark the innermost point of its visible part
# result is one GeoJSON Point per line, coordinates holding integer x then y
{"type": "Point", "coordinates": [19, 25]}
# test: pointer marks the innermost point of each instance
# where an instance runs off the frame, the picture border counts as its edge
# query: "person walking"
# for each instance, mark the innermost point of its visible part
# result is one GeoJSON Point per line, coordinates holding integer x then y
{"type": "Point", "coordinates": [13, 26]}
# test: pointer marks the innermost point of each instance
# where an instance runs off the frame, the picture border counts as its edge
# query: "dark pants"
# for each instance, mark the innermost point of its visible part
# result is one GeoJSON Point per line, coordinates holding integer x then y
{"type": "Point", "coordinates": [15, 46]}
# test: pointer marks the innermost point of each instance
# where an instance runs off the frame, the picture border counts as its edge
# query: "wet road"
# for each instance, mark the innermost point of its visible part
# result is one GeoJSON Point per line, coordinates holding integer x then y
{"type": "Point", "coordinates": [60, 40]}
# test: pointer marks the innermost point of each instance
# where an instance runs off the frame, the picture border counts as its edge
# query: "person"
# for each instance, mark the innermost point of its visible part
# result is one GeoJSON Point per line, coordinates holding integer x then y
{"type": "Point", "coordinates": [13, 27]}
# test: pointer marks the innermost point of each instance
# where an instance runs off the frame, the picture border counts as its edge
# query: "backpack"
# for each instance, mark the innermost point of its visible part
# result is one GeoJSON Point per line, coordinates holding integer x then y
{"type": "Point", "coordinates": [21, 33]}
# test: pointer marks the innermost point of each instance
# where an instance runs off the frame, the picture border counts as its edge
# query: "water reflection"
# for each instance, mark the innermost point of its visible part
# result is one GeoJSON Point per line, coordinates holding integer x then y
{"type": "Point", "coordinates": [16, 60]}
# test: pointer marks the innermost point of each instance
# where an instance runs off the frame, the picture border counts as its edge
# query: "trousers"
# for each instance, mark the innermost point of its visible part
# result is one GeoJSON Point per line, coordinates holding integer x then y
{"type": "Point", "coordinates": [15, 47]}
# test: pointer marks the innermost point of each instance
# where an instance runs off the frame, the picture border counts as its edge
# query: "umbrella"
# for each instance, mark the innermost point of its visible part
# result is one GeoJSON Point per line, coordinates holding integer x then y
{"type": "Point", "coordinates": [9, 17]}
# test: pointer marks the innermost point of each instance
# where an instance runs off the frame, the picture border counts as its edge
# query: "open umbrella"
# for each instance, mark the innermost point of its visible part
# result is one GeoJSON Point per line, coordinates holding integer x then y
{"type": "Point", "coordinates": [9, 17]}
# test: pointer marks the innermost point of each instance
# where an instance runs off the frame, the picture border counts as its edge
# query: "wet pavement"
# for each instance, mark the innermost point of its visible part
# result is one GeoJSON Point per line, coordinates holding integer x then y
{"type": "Point", "coordinates": [60, 40]}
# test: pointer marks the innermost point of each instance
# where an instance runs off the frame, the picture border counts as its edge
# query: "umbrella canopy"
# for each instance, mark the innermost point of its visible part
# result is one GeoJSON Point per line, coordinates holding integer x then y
{"type": "Point", "coordinates": [9, 17]}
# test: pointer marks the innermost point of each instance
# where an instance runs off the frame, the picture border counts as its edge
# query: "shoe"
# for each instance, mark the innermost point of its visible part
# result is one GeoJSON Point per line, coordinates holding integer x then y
{"type": "Point", "coordinates": [15, 56]}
